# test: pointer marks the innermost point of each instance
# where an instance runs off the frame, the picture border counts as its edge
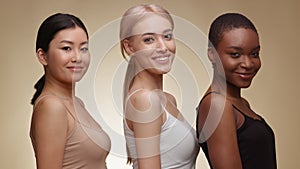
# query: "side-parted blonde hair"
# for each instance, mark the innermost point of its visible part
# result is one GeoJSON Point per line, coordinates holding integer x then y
{"type": "Point", "coordinates": [135, 14]}
{"type": "Point", "coordinates": [132, 16]}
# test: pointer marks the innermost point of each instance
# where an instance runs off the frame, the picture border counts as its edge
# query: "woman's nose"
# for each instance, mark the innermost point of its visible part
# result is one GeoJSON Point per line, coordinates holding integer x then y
{"type": "Point", "coordinates": [76, 56]}
{"type": "Point", "coordinates": [161, 45]}
{"type": "Point", "coordinates": [247, 62]}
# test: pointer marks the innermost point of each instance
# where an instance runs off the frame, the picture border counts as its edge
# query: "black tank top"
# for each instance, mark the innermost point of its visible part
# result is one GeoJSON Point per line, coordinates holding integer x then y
{"type": "Point", "coordinates": [256, 143]}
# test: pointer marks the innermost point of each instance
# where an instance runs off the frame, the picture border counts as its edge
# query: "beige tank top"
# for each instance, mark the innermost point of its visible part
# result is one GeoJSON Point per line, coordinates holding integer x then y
{"type": "Point", "coordinates": [87, 145]}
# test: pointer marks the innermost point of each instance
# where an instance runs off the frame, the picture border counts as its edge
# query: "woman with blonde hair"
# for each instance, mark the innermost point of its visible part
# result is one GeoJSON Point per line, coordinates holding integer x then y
{"type": "Point", "coordinates": [157, 135]}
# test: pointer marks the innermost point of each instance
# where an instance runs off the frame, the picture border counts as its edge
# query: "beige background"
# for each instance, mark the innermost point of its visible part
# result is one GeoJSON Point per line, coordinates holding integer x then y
{"type": "Point", "coordinates": [274, 93]}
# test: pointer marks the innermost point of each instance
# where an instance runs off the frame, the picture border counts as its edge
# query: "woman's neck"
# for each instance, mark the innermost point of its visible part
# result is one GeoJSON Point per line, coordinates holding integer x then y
{"type": "Point", "coordinates": [146, 79]}
{"type": "Point", "coordinates": [66, 91]}
{"type": "Point", "coordinates": [222, 86]}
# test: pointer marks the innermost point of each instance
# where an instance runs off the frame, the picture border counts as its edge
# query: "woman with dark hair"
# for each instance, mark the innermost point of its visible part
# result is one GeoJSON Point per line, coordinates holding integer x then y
{"type": "Point", "coordinates": [60, 121]}
{"type": "Point", "coordinates": [230, 133]}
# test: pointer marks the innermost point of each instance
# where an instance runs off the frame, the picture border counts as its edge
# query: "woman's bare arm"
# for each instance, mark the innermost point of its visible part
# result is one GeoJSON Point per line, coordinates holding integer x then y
{"type": "Point", "coordinates": [49, 132]}
{"type": "Point", "coordinates": [146, 125]}
{"type": "Point", "coordinates": [222, 142]}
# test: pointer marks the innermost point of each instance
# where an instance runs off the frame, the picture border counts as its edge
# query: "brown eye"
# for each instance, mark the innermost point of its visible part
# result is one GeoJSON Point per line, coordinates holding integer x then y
{"type": "Point", "coordinates": [255, 54]}
{"type": "Point", "coordinates": [168, 36]}
{"type": "Point", "coordinates": [148, 40]}
{"type": "Point", "coordinates": [66, 48]}
{"type": "Point", "coordinates": [235, 54]}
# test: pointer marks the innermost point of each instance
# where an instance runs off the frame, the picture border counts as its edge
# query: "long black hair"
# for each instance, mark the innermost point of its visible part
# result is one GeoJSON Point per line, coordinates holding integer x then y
{"type": "Point", "coordinates": [46, 33]}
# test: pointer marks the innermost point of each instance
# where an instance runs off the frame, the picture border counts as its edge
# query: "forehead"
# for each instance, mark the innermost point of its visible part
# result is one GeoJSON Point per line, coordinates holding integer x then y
{"type": "Point", "coordinates": [240, 37]}
{"type": "Point", "coordinates": [152, 23]}
{"type": "Point", "coordinates": [74, 34]}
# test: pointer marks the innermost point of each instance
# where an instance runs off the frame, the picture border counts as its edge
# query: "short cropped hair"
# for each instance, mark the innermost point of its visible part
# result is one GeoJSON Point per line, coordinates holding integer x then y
{"type": "Point", "coordinates": [225, 23]}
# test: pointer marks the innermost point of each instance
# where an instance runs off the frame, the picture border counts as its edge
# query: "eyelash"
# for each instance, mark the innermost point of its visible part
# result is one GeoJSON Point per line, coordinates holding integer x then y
{"type": "Point", "coordinates": [255, 54]}
{"type": "Point", "coordinates": [148, 39]}
{"type": "Point", "coordinates": [151, 38]}
{"type": "Point", "coordinates": [68, 49]}
{"type": "Point", "coordinates": [237, 54]}
{"type": "Point", "coordinates": [84, 50]}
{"type": "Point", "coordinates": [168, 36]}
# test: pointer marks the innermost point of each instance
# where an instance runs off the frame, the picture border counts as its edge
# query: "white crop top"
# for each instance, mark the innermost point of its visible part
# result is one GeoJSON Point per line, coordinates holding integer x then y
{"type": "Point", "coordinates": [178, 144]}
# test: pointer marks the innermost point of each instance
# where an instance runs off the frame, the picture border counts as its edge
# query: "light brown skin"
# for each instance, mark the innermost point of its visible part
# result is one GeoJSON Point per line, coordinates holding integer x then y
{"type": "Point", "coordinates": [65, 63]}
{"type": "Point", "coordinates": [238, 52]}
{"type": "Point", "coordinates": [149, 42]}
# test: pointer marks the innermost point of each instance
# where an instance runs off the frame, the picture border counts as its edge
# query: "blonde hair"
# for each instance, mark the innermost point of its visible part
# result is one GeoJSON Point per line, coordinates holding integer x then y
{"type": "Point", "coordinates": [132, 16]}
{"type": "Point", "coordinates": [135, 14]}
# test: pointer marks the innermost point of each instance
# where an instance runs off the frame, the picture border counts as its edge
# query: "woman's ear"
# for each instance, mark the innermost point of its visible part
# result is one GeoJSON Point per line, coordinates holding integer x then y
{"type": "Point", "coordinates": [127, 46]}
{"type": "Point", "coordinates": [211, 52]}
{"type": "Point", "coordinates": [42, 56]}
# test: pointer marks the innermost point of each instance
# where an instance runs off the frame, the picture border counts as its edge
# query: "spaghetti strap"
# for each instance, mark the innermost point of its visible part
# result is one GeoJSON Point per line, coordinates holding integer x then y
{"type": "Point", "coordinates": [260, 118]}
{"type": "Point", "coordinates": [238, 110]}
{"type": "Point", "coordinates": [44, 96]}
{"type": "Point", "coordinates": [41, 98]}
{"type": "Point", "coordinates": [208, 93]}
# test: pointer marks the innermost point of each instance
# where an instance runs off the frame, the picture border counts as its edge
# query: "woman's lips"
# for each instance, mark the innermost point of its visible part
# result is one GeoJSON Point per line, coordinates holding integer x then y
{"type": "Point", "coordinates": [162, 59]}
{"type": "Point", "coordinates": [75, 68]}
{"type": "Point", "coordinates": [246, 76]}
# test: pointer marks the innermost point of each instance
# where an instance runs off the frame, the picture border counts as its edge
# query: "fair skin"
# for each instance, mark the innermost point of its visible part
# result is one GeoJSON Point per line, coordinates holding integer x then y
{"type": "Point", "coordinates": [153, 47]}
{"type": "Point", "coordinates": [65, 62]}
{"type": "Point", "coordinates": [238, 53]}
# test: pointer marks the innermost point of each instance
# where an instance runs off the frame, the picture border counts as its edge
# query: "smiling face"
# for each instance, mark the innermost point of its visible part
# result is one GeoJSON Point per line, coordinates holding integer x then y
{"type": "Point", "coordinates": [68, 57]}
{"type": "Point", "coordinates": [152, 44]}
{"type": "Point", "coordinates": [238, 51]}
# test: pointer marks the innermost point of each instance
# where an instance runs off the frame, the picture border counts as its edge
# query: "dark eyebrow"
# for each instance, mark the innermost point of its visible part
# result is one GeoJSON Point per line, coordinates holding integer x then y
{"type": "Point", "coordinates": [70, 42]}
{"type": "Point", "coordinates": [66, 41]}
{"type": "Point", "coordinates": [240, 49]}
{"type": "Point", "coordinates": [235, 47]}
{"type": "Point", "coordinates": [85, 42]}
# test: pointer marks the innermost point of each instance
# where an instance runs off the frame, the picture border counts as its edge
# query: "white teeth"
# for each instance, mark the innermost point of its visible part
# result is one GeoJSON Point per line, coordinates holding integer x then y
{"type": "Point", "coordinates": [162, 58]}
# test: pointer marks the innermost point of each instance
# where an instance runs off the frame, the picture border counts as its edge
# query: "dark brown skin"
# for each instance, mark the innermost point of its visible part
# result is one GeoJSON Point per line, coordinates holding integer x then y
{"type": "Point", "coordinates": [238, 53]}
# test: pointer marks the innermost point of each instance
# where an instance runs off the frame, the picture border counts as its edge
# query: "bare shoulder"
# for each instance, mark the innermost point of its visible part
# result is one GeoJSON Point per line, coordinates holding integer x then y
{"type": "Point", "coordinates": [144, 99]}
{"type": "Point", "coordinates": [49, 109]}
{"type": "Point", "coordinates": [49, 104]}
{"type": "Point", "coordinates": [144, 106]}
{"type": "Point", "coordinates": [213, 101]}
{"type": "Point", "coordinates": [215, 110]}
